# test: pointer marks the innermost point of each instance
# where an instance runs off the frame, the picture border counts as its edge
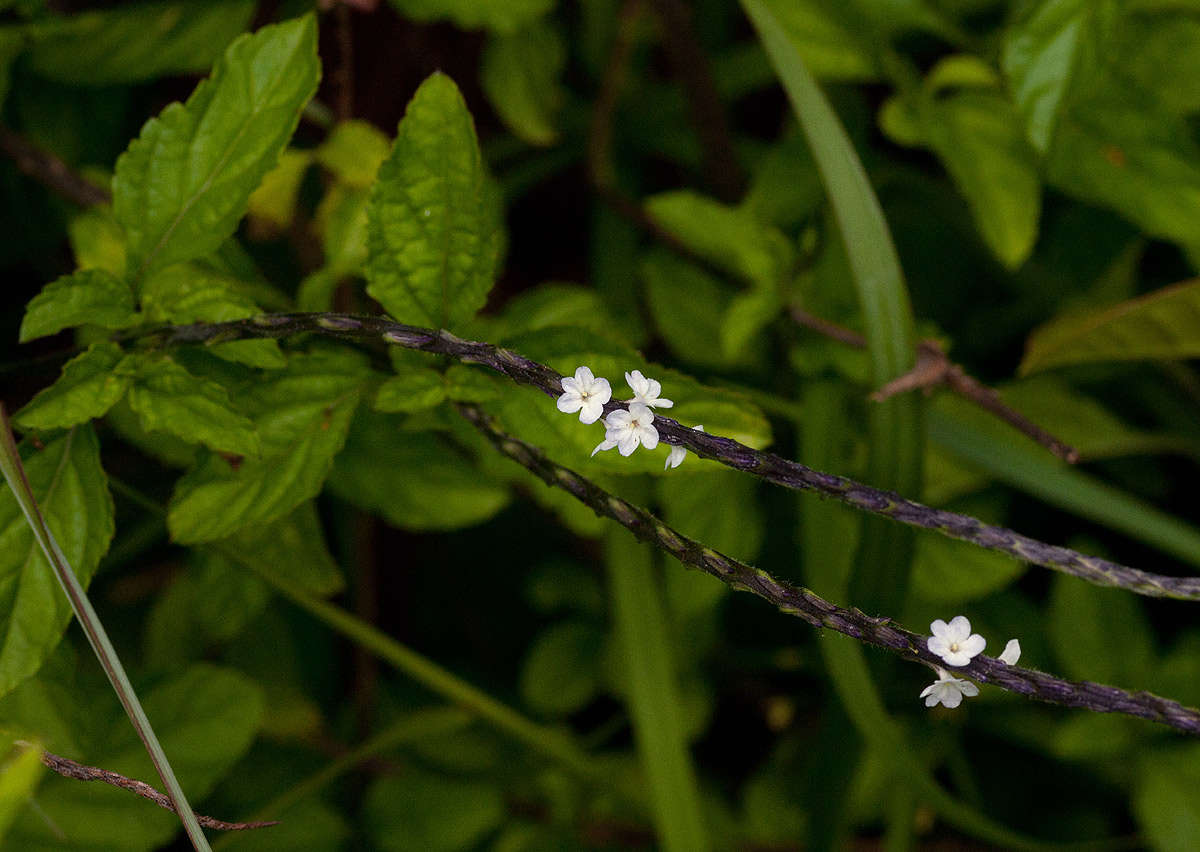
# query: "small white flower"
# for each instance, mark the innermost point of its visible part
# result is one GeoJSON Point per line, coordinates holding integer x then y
{"type": "Point", "coordinates": [646, 391]}
{"type": "Point", "coordinates": [954, 642]}
{"type": "Point", "coordinates": [675, 457]}
{"type": "Point", "coordinates": [1012, 652]}
{"type": "Point", "coordinates": [584, 393]}
{"type": "Point", "coordinates": [626, 429]}
{"type": "Point", "coordinates": [948, 690]}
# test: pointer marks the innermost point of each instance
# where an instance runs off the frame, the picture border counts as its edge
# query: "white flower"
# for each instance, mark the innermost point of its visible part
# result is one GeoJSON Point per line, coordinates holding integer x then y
{"type": "Point", "coordinates": [675, 457]}
{"type": "Point", "coordinates": [626, 429]}
{"type": "Point", "coordinates": [646, 391]}
{"type": "Point", "coordinates": [1012, 652]}
{"type": "Point", "coordinates": [948, 690]}
{"type": "Point", "coordinates": [954, 642]}
{"type": "Point", "coordinates": [584, 393]}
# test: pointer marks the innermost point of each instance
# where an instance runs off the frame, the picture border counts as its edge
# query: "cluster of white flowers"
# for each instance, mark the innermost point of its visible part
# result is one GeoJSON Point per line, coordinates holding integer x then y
{"type": "Point", "coordinates": [956, 645]}
{"type": "Point", "coordinates": [624, 429]}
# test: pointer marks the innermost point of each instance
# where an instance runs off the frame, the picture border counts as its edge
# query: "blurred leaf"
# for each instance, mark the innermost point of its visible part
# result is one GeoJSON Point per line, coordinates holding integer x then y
{"type": "Point", "coordinates": [1166, 800]}
{"type": "Point", "coordinates": [1101, 635]}
{"type": "Point", "coordinates": [12, 44]}
{"type": "Point", "coordinates": [87, 296]}
{"type": "Point", "coordinates": [951, 571]}
{"type": "Point", "coordinates": [90, 384]}
{"type": "Point", "coordinates": [786, 188]}
{"type": "Point", "coordinates": [416, 390]}
{"type": "Point", "coordinates": [1096, 736]}
{"type": "Point", "coordinates": [554, 304]}
{"type": "Point", "coordinates": [689, 307]}
{"type": "Point", "coordinates": [19, 777]}
{"type": "Point", "coordinates": [507, 17]}
{"type": "Point", "coordinates": [342, 221]}
{"type": "Point", "coordinates": [183, 184]}
{"type": "Point", "coordinates": [98, 241]}
{"type": "Point", "coordinates": [292, 547]}
{"type": "Point", "coordinates": [353, 151]}
{"type": "Point", "coordinates": [1162, 324]}
{"type": "Point", "coordinates": [559, 674]}
{"type": "Point", "coordinates": [434, 215]}
{"type": "Point", "coordinates": [302, 414]}
{"type": "Point", "coordinates": [274, 200]}
{"type": "Point", "coordinates": [72, 492]}
{"type": "Point", "coordinates": [425, 812]}
{"type": "Point", "coordinates": [823, 33]}
{"type": "Point", "coordinates": [719, 508]}
{"type": "Point", "coordinates": [138, 42]}
{"type": "Point", "coordinates": [522, 77]}
{"type": "Point", "coordinates": [167, 397]}
{"type": "Point", "coordinates": [468, 384]}
{"type": "Point", "coordinates": [414, 480]}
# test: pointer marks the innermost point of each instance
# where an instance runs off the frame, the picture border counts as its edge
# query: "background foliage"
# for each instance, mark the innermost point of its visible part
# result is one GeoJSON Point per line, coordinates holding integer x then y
{"type": "Point", "coordinates": [621, 184]}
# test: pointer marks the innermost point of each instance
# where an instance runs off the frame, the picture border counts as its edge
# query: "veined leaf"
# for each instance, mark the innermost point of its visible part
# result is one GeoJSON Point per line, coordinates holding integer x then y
{"type": "Point", "coordinates": [506, 17]}
{"type": "Point", "coordinates": [434, 215]}
{"type": "Point", "coordinates": [1162, 324]}
{"type": "Point", "coordinates": [167, 397]}
{"type": "Point", "coordinates": [141, 41]}
{"type": "Point", "coordinates": [89, 386]}
{"type": "Point", "coordinates": [413, 390]}
{"type": "Point", "coordinates": [522, 76]}
{"type": "Point", "coordinates": [72, 491]}
{"type": "Point", "coordinates": [301, 413]}
{"type": "Point", "coordinates": [87, 296]}
{"type": "Point", "coordinates": [183, 184]}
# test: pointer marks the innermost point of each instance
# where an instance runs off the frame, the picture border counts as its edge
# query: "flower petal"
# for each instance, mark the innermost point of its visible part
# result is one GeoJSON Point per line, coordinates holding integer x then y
{"type": "Point", "coordinates": [584, 376]}
{"type": "Point", "coordinates": [960, 628]}
{"type": "Point", "coordinates": [569, 404]}
{"type": "Point", "coordinates": [938, 628]}
{"type": "Point", "coordinates": [649, 437]}
{"type": "Point", "coordinates": [972, 645]}
{"type": "Point", "coordinates": [1011, 653]}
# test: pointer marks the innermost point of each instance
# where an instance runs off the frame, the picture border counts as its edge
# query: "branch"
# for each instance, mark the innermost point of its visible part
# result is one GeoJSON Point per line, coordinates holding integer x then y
{"type": "Point", "coordinates": [818, 612]}
{"type": "Point", "coordinates": [71, 769]}
{"type": "Point", "coordinates": [768, 466]}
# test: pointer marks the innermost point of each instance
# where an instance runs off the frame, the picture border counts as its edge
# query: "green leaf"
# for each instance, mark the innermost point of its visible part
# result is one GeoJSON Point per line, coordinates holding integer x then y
{"type": "Point", "coordinates": [1166, 799]}
{"type": "Point", "coordinates": [414, 480]}
{"type": "Point", "coordinates": [167, 397]}
{"type": "Point", "coordinates": [1163, 324]}
{"type": "Point", "coordinates": [183, 184]}
{"type": "Point", "coordinates": [950, 571]}
{"type": "Point", "coordinates": [522, 77]}
{"type": "Point", "coordinates": [416, 390]}
{"type": "Point", "coordinates": [274, 199]}
{"type": "Point", "coordinates": [207, 718]}
{"type": "Point", "coordinates": [554, 304]}
{"type": "Point", "coordinates": [718, 508]}
{"type": "Point", "coordinates": [1100, 635]}
{"type": "Point", "coordinates": [822, 33]}
{"type": "Point", "coordinates": [353, 151]}
{"type": "Point", "coordinates": [469, 384]}
{"type": "Point", "coordinates": [294, 548]}
{"type": "Point", "coordinates": [341, 220]}
{"type": "Point", "coordinates": [689, 307]}
{"type": "Point", "coordinates": [424, 811]}
{"type": "Point", "coordinates": [560, 673]}
{"type": "Point", "coordinates": [507, 17]}
{"type": "Point", "coordinates": [434, 216]}
{"type": "Point", "coordinates": [98, 241]}
{"type": "Point", "coordinates": [87, 296]}
{"type": "Point", "coordinates": [89, 386]}
{"type": "Point", "coordinates": [72, 491]}
{"type": "Point", "coordinates": [301, 414]}
{"type": "Point", "coordinates": [19, 777]}
{"type": "Point", "coordinates": [137, 42]}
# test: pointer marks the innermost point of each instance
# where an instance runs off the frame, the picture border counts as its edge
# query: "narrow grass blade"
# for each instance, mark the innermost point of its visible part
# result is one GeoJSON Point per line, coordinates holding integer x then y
{"type": "Point", "coordinates": [14, 473]}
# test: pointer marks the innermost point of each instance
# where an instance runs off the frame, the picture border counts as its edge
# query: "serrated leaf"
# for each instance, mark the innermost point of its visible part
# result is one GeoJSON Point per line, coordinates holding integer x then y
{"type": "Point", "coordinates": [353, 151]}
{"type": "Point", "coordinates": [72, 491]}
{"type": "Point", "coordinates": [168, 398]}
{"type": "Point", "coordinates": [136, 42]}
{"type": "Point", "coordinates": [415, 390]}
{"type": "Point", "coordinates": [183, 184]}
{"type": "Point", "coordinates": [409, 814]}
{"type": "Point", "coordinates": [506, 17]}
{"type": "Point", "coordinates": [434, 215]}
{"type": "Point", "coordinates": [414, 480]}
{"type": "Point", "coordinates": [206, 718]}
{"type": "Point", "coordinates": [522, 77]}
{"type": "Point", "coordinates": [87, 296]}
{"type": "Point", "coordinates": [89, 386]}
{"type": "Point", "coordinates": [301, 414]}
{"type": "Point", "coordinates": [274, 200]}
{"type": "Point", "coordinates": [1163, 324]}
{"type": "Point", "coordinates": [560, 672]}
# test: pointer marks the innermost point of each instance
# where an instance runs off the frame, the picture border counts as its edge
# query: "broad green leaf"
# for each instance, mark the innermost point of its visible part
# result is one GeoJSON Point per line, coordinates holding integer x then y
{"type": "Point", "coordinates": [506, 17]}
{"type": "Point", "coordinates": [467, 384]}
{"type": "Point", "coordinates": [138, 41]}
{"type": "Point", "coordinates": [301, 414]}
{"type": "Point", "coordinates": [189, 292]}
{"type": "Point", "coordinates": [1100, 635]}
{"type": "Point", "coordinates": [718, 508]}
{"type": "Point", "coordinates": [689, 307]}
{"type": "Point", "coordinates": [98, 241]}
{"type": "Point", "coordinates": [87, 296]}
{"type": "Point", "coordinates": [19, 777]}
{"type": "Point", "coordinates": [411, 391]}
{"type": "Point", "coordinates": [823, 33]}
{"type": "Point", "coordinates": [414, 480]}
{"type": "Point", "coordinates": [553, 304]}
{"type": "Point", "coordinates": [353, 151]}
{"type": "Point", "coordinates": [522, 77]}
{"type": "Point", "coordinates": [423, 811]}
{"type": "Point", "coordinates": [786, 188]}
{"type": "Point", "coordinates": [434, 216]}
{"type": "Point", "coordinates": [90, 385]}
{"type": "Point", "coordinates": [292, 547]}
{"type": "Point", "coordinates": [559, 675]}
{"type": "Point", "coordinates": [274, 200]}
{"type": "Point", "coordinates": [1166, 799]}
{"type": "Point", "coordinates": [72, 491]}
{"type": "Point", "coordinates": [1163, 324]}
{"type": "Point", "coordinates": [207, 718]}
{"type": "Point", "coordinates": [167, 397]}
{"type": "Point", "coordinates": [950, 571]}
{"type": "Point", "coordinates": [183, 184]}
